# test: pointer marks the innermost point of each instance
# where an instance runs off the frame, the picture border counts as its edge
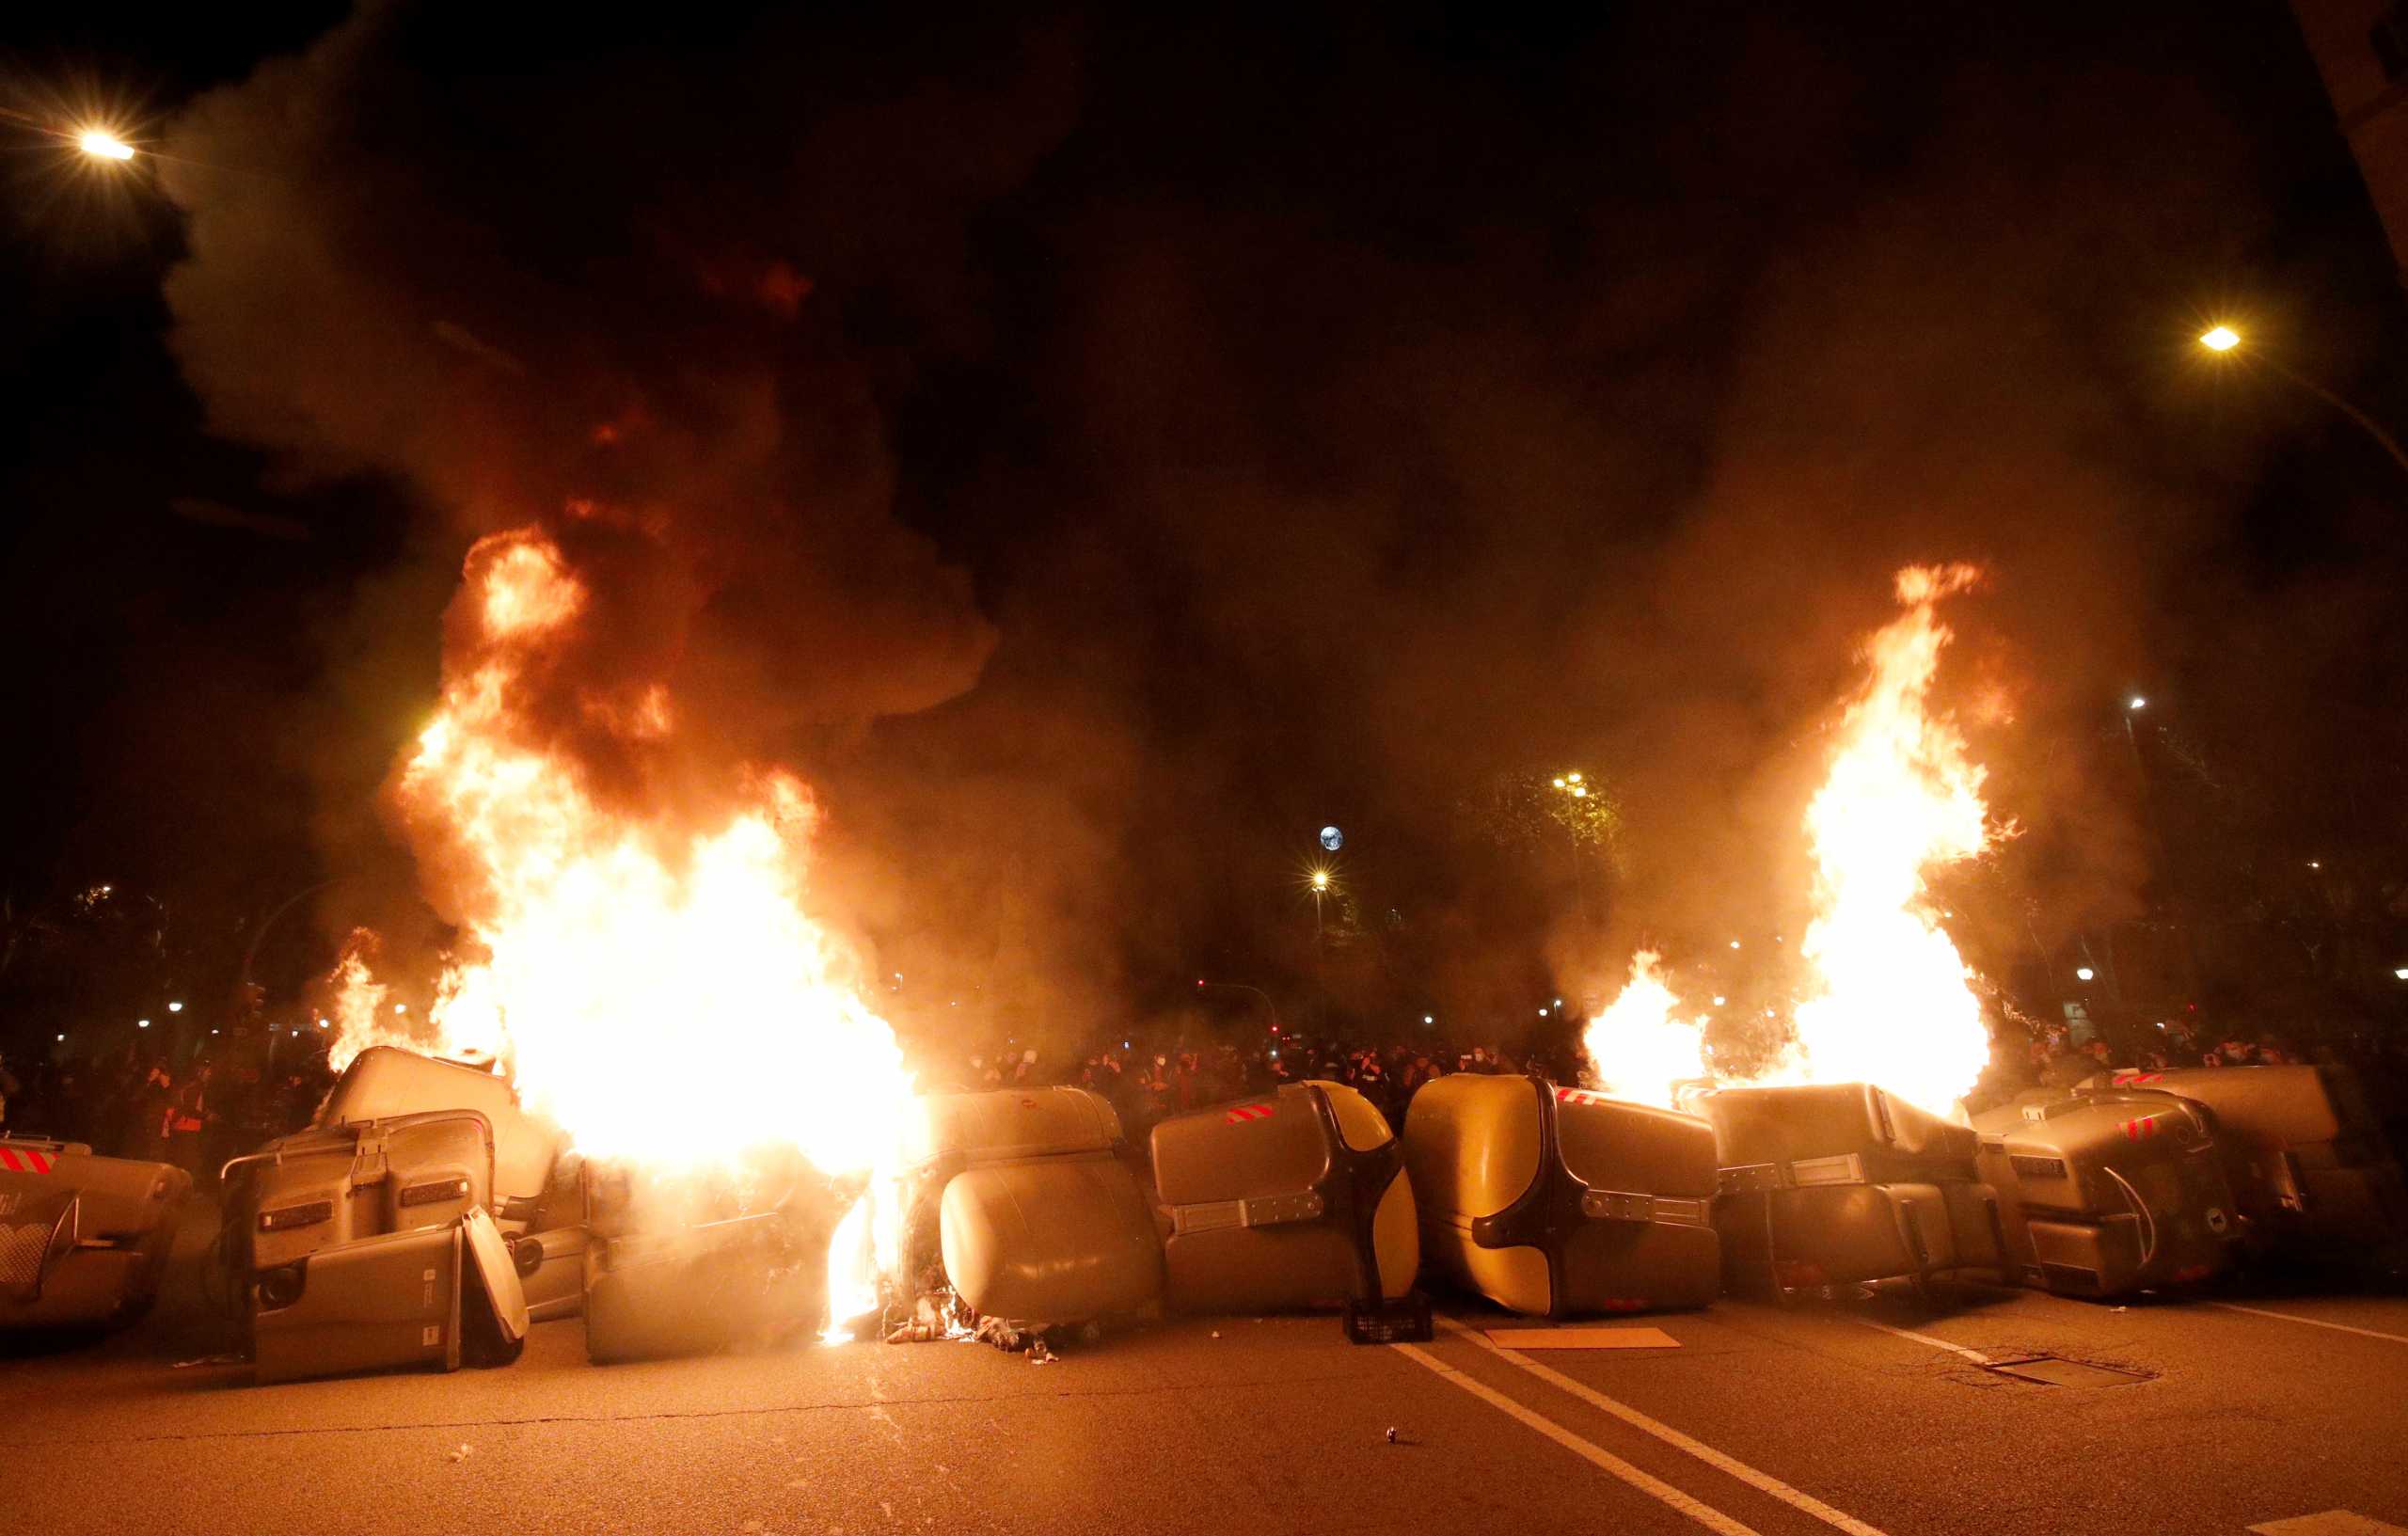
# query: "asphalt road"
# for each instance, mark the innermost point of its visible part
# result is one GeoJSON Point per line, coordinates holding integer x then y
{"type": "Point", "coordinates": [1871, 1416]}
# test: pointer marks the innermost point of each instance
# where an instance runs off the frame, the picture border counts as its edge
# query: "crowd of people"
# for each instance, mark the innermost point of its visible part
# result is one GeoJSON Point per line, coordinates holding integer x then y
{"type": "Point", "coordinates": [199, 1113]}
{"type": "Point", "coordinates": [194, 1113]}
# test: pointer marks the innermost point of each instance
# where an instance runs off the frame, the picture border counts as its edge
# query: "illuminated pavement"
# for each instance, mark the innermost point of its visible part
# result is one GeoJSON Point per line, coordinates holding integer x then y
{"type": "Point", "coordinates": [1763, 1420]}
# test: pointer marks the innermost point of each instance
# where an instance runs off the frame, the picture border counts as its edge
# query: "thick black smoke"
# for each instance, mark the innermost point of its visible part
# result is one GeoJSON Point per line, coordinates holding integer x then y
{"type": "Point", "coordinates": [1281, 425]}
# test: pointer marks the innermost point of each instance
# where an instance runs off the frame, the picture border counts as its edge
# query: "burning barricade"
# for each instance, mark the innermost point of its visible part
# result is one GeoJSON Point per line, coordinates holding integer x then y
{"type": "Point", "coordinates": [1560, 1202]}
{"type": "Point", "coordinates": [83, 1239]}
{"type": "Point", "coordinates": [2107, 1191]}
{"type": "Point", "coordinates": [1292, 1201]}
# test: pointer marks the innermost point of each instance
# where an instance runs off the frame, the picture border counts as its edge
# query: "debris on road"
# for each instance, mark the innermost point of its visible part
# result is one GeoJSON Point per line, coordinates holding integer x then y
{"type": "Point", "coordinates": [463, 1453]}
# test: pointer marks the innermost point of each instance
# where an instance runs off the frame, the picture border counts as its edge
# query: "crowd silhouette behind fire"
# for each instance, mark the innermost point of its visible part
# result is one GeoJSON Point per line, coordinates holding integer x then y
{"type": "Point", "coordinates": [197, 1114]}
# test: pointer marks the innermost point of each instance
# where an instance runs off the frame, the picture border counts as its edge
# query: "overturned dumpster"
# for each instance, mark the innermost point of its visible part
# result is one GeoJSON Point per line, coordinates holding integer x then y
{"type": "Point", "coordinates": [2106, 1192]}
{"type": "Point", "coordinates": [2309, 1166]}
{"type": "Point", "coordinates": [1559, 1202]}
{"type": "Point", "coordinates": [402, 1227]}
{"type": "Point", "coordinates": [1841, 1183]}
{"type": "Point", "coordinates": [1290, 1201]}
{"type": "Point", "coordinates": [83, 1239]}
{"type": "Point", "coordinates": [427, 1296]}
{"type": "Point", "coordinates": [1020, 1210]}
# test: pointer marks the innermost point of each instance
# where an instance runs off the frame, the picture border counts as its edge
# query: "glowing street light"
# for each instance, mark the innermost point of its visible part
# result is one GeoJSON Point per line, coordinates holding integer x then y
{"type": "Point", "coordinates": [175, 1007]}
{"type": "Point", "coordinates": [142, 1023]}
{"type": "Point", "coordinates": [100, 144]}
{"type": "Point", "coordinates": [2401, 971]}
{"type": "Point", "coordinates": [400, 1007]}
{"type": "Point", "coordinates": [2136, 702]}
{"type": "Point", "coordinates": [2220, 338]}
{"type": "Point", "coordinates": [1321, 880]}
{"type": "Point", "coordinates": [2084, 973]}
{"type": "Point", "coordinates": [1431, 1018]}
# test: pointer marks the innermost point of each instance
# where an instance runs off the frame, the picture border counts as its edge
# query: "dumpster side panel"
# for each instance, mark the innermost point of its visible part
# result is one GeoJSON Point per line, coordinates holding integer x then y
{"type": "Point", "coordinates": [1050, 1241]}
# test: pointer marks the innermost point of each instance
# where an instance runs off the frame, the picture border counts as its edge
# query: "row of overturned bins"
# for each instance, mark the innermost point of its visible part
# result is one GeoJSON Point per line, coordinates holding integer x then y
{"type": "Point", "coordinates": [424, 1219]}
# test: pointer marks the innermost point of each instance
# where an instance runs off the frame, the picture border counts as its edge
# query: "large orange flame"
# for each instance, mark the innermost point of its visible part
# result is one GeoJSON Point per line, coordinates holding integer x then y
{"type": "Point", "coordinates": [1637, 1047]}
{"type": "Point", "coordinates": [1888, 999]}
{"type": "Point", "coordinates": [657, 988]}
{"type": "Point", "coordinates": [1892, 1002]}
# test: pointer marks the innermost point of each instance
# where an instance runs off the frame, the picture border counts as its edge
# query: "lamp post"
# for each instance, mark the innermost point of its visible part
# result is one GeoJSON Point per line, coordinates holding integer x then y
{"type": "Point", "coordinates": [1269, 1007]}
{"type": "Point", "coordinates": [2226, 342]}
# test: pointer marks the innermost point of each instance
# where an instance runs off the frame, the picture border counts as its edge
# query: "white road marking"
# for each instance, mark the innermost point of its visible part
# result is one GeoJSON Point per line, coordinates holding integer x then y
{"type": "Point", "coordinates": [1654, 1487]}
{"type": "Point", "coordinates": [1763, 1483]}
{"type": "Point", "coordinates": [2331, 1523]}
{"type": "Point", "coordinates": [1975, 1355]}
{"type": "Point", "coordinates": [2313, 1322]}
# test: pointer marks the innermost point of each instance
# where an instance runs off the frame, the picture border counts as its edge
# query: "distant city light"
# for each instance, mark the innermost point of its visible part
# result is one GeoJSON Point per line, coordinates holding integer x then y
{"type": "Point", "coordinates": [142, 1023]}
{"type": "Point", "coordinates": [400, 1007]}
{"type": "Point", "coordinates": [1432, 1019]}
{"type": "Point", "coordinates": [175, 1007]}
{"type": "Point", "coordinates": [1735, 943]}
{"type": "Point", "coordinates": [1719, 1000]}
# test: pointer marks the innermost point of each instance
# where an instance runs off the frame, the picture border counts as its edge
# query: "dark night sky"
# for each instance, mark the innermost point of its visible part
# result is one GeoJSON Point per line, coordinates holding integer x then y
{"type": "Point", "coordinates": [1318, 412]}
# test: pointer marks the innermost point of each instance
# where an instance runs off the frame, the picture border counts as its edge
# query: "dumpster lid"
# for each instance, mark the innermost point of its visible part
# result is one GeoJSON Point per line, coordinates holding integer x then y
{"type": "Point", "coordinates": [491, 1255]}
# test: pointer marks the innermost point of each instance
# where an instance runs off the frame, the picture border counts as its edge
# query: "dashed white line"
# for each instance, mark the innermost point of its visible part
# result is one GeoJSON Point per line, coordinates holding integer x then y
{"type": "Point", "coordinates": [1654, 1487]}
{"type": "Point", "coordinates": [1763, 1483]}
{"type": "Point", "coordinates": [2313, 1322]}
{"type": "Point", "coordinates": [1975, 1355]}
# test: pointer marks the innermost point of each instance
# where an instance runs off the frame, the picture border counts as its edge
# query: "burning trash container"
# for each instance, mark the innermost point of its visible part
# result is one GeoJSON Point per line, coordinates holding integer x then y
{"type": "Point", "coordinates": [1560, 1202]}
{"type": "Point", "coordinates": [687, 1263]}
{"type": "Point", "coordinates": [2304, 1151]}
{"type": "Point", "coordinates": [83, 1239]}
{"type": "Point", "coordinates": [1023, 1204]}
{"type": "Point", "coordinates": [1840, 1183]}
{"type": "Point", "coordinates": [2106, 1192]}
{"type": "Point", "coordinates": [1294, 1200]}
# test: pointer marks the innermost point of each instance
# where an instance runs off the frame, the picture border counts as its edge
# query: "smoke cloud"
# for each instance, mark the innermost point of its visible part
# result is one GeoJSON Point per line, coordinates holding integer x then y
{"type": "Point", "coordinates": [1098, 453]}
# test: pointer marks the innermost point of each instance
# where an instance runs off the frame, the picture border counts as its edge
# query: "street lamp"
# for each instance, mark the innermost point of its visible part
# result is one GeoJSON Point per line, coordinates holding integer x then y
{"type": "Point", "coordinates": [100, 144]}
{"type": "Point", "coordinates": [2136, 703]}
{"type": "Point", "coordinates": [2084, 973]}
{"type": "Point", "coordinates": [2402, 971]}
{"type": "Point", "coordinates": [2223, 339]}
{"type": "Point", "coordinates": [175, 1007]}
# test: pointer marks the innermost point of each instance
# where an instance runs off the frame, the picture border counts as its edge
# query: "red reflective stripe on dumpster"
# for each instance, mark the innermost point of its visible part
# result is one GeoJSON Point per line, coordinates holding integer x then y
{"type": "Point", "coordinates": [2122, 1078]}
{"type": "Point", "coordinates": [1580, 1096]}
{"type": "Point", "coordinates": [2145, 1125]}
{"type": "Point", "coordinates": [1248, 1112]}
{"type": "Point", "coordinates": [27, 1160]}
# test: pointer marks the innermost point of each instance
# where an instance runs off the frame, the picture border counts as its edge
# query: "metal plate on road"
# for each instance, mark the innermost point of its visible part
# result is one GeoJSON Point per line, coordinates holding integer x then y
{"type": "Point", "coordinates": [1582, 1338]}
{"type": "Point", "coordinates": [2051, 1372]}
